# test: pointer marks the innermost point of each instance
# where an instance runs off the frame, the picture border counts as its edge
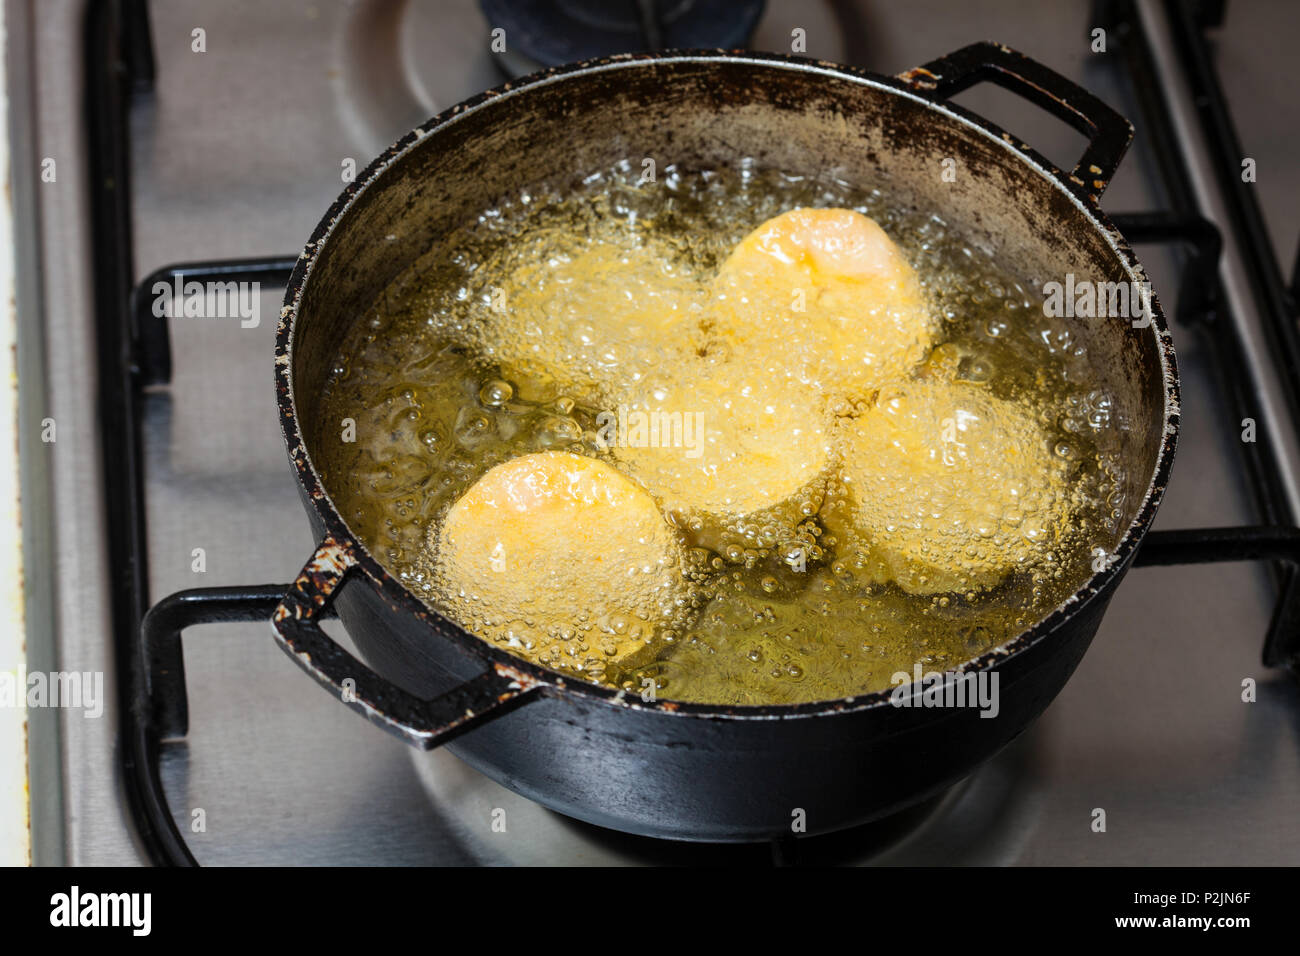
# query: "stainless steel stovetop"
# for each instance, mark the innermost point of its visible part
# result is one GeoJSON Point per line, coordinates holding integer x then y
{"type": "Point", "coordinates": [238, 152]}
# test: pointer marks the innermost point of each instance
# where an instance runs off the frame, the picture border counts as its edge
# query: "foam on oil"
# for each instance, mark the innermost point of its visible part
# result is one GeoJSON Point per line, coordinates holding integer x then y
{"type": "Point", "coordinates": [505, 340]}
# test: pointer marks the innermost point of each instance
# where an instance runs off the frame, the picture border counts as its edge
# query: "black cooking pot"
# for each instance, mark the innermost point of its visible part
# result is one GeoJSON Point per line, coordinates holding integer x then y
{"type": "Point", "coordinates": [692, 771]}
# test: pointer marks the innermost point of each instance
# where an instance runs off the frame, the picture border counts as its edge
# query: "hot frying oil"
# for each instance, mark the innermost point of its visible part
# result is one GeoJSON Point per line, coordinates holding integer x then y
{"type": "Point", "coordinates": [503, 341]}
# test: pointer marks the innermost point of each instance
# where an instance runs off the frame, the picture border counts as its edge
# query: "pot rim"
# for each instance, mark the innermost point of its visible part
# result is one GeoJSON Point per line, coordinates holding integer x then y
{"type": "Point", "coordinates": [553, 682]}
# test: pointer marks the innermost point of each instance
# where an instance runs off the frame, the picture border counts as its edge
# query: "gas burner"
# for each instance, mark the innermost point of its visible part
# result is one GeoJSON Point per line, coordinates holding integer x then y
{"type": "Point", "coordinates": [543, 33]}
{"type": "Point", "coordinates": [399, 63]}
{"type": "Point", "coordinates": [979, 821]}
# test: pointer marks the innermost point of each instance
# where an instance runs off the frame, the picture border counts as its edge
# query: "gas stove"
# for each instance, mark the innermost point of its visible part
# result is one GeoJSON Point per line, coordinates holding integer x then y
{"type": "Point", "coordinates": [234, 129]}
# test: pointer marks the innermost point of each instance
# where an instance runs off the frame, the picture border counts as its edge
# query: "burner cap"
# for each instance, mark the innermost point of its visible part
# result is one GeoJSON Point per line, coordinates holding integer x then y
{"type": "Point", "coordinates": [542, 33]}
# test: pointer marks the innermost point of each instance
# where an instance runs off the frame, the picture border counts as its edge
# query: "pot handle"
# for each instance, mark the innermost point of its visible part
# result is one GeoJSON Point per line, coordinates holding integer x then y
{"type": "Point", "coordinates": [1108, 132]}
{"type": "Point", "coordinates": [424, 723]}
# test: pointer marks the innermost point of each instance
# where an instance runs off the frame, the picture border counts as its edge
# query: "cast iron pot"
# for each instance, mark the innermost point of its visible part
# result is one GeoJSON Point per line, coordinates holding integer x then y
{"type": "Point", "coordinates": [691, 771]}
